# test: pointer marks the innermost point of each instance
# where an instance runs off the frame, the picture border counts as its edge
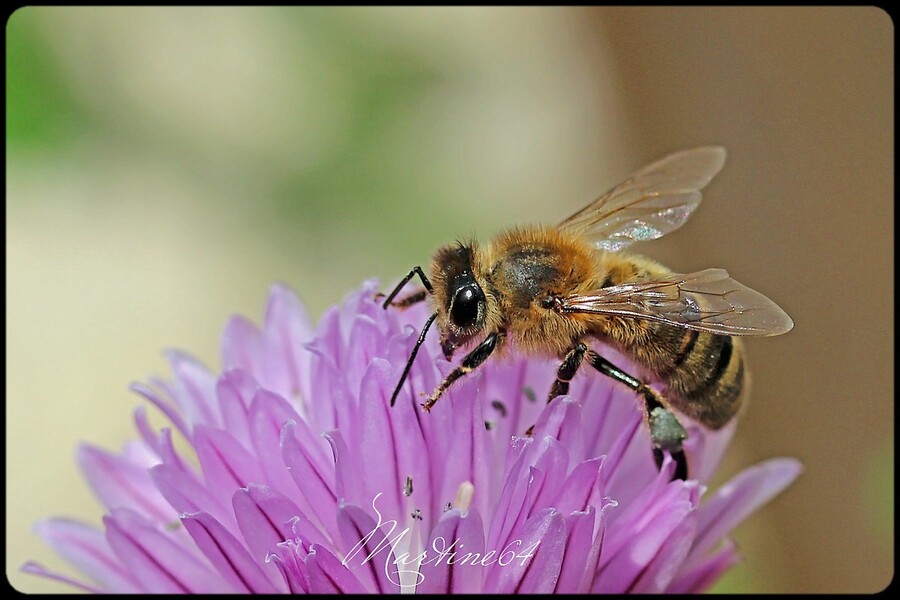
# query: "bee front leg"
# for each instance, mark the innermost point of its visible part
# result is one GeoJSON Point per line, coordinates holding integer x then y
{"type": "Point", "coordinates": [472, 361]}
{"type": "Point", "coordinates": [666, 433]}
{"type": "Point", "coordinates": [412, 299]}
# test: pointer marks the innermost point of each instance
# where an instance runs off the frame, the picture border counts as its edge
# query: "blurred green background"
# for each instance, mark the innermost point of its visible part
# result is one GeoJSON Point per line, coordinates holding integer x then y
{"type": "Point", "coordinates": [165, 166]}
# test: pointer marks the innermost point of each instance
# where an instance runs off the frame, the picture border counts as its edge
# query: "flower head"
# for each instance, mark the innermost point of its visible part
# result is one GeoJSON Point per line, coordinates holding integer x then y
{"type": "Point", "coordinates": [300, 476]}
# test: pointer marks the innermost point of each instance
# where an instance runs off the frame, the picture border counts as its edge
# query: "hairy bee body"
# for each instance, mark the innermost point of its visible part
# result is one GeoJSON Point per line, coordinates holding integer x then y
{"type": "Point", "coordinates": [553, 290]}
{"type": "Point", "coordinates": [522, 270]}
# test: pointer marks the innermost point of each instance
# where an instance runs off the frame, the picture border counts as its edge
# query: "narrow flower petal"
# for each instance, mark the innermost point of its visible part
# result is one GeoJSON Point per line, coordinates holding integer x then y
{"type": "Point", "coordinates": [531, 562]}
{"type": "Point", "coordinates": [286, 330]}
{"type": "Point", "coordinates": [580, 537]}
{"type": "Point", "coordinates": [235, 390]}
{"type": "Point", "coordinates": [316, 488]}
{"type": "Point", "coordinates": [194, 389]}
{"type": "Point", "coordinates": [640, 533]}
{"type": "Point", "coordinates": [187, 495]}
{"type": "Point", "coordinates": [580, 489]}
{"type": "Point", "coordinates": [453, 551]}
{"type": "Point", "coordinates": [562, 421]}
{"type": "Point", "coordinates": [740, 497]}
{"type": "Point", "coordinates": [118, 483]}
{"type": "Point", "coordinates": [142, 424]}
{"type": "Point", "coordinates": [368, 548]}
{"type": "Point", "coordinates": [33, 568]}
{"type": "Point", "coordinates": [157, 561]}
{"type": "Point", "coordinates": [662, 568]}
{"type": "Point", "coordinates": [266, 518]}
{"type": "Point", "coordinates": [226, 464]}
{"type": "Point", "coordinates": [699, 578]}
{"type": "Point", "coordinates": [292, 568]}
{"type": "Point", "coordinates": [268, 414]}
{"type": "Point", "coordinates": [227, 555]}
{"type": "Point", "coordinates": [524, 481]}
{"type": "Point", "coordinates": [241, 345]}
{"type": "Point", "coordinates": [87, 549]}
{"type": "Point", "coordinates": [165, 407]}
{"type": "Point", "coordinates": [328, 576]}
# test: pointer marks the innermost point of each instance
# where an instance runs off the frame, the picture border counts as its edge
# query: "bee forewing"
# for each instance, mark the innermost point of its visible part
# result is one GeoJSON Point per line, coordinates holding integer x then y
{"type": "Point", "coordinates": [707, 300]}
{"type": "Point", "coordinates": [654, 201]}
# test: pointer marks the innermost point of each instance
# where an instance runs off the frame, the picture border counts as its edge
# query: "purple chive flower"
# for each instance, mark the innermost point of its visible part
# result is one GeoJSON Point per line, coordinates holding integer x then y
{"type": "Point", "coordinates": [301, 478]}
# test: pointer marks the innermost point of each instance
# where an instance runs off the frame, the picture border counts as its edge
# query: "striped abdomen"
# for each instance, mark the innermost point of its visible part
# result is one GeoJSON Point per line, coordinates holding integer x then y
{"type": "Point", "coordinates": [703, 372]}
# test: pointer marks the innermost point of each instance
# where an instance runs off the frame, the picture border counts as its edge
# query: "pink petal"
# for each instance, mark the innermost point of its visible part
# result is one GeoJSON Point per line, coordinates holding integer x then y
{"type": "Point", "coordinates": [268, 414]}
{"type": "Point", "coordinates": [660, 571]}
{"type": "Point", "coordinates": [739, 498]}
{"type": "Point", "coordinates": [119, 483]}
{"type": "Point", "coordinates": [328, 576]}
{"type": "Point", "coordinates": [700, 577]}
{"type": "Point", "coordinates": [227, 555]}
{"type": "Point", "coordinates": [187, 495]}
{"type": "Point", "coordinates": [241, 345]}
{"type": "Point", "coordinates": [142, 423]}
{"type": "Point", "coordinates": [235, 390]}
{"type": "Point", "coordinates": [165, 407]}
{"type": "Point", "coordinates": [366, 343]}
{"type": "Point", "coordinates": [292, 569]}
{"type": "Point", "coordinates": [87, 549]}
{"type": "Point", "coordinates": [455, 437]}
{"type": "Point", "coordinates": [286, 361]}
{"type": "Point", "coordinates": [33, 568]}
{"type": "Point", "coordinates": [226, 464]}
{"type": "Point", "coordinates": [403, 448]}
{"type": "Point", "coordinates": [575, 575]}
{"type": "Point", "coordinates": [580, 488]}
{"type": "Point", "coordinates": [706, 449]}
{"type": "Point", "coordinates": [194, 389]}
{"type": "Point", "coordinates": [266, 518]}
{"type": "Point", "coordinates": [640, 532]}
{"type": "Point", "coordinates": [531, 562]}
{"type": "Point", "coordinates": [317, 489]}
{"type": "Point", "coordinates": [562, 420]}
{"type": "Point", "coordinates": [454, 548]}
{"type": "Point", "coordinates": [521, 490]}
{"type": "Point", "coordinates": [160, 564]}
{"type": "Point", "coordinates": [373, 551]}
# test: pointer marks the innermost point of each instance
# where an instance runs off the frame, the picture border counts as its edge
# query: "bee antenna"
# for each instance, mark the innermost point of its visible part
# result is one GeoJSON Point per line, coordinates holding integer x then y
{"type": "Point", "coordinates": [412, 357]}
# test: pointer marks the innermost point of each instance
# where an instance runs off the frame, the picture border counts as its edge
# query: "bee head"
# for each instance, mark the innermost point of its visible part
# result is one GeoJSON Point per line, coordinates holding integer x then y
{"type": "Point", "coordinates": [458, 295]}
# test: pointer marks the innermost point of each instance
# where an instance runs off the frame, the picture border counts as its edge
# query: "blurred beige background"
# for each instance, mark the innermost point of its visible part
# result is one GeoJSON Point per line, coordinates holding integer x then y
{"type": "Point", "coordinates": [165, 166]}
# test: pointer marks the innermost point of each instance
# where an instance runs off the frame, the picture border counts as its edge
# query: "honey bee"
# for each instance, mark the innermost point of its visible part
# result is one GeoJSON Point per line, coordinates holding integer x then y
{"type": "Point", "coordinates": [552, 290]}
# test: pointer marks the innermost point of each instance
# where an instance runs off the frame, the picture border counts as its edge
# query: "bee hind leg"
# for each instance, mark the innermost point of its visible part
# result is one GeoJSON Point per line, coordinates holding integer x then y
{"type": "Point", "coordinates": [667, 435]}
{"type": "Point", "coordinates": [666, 432]}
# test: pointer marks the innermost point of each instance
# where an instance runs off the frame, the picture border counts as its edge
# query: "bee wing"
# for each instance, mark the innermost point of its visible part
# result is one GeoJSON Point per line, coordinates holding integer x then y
{"type": "Point", "coordinates": [654, 201]}
{"type": "Point", "coordinates": [709, 301]}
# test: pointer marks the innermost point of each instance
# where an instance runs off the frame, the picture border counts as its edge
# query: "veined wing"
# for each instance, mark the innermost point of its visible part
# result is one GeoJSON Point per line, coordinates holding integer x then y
{"type": "Point", "coordinates": [654, 201]}
{"type": "Point", "coordinates": [709, 301]}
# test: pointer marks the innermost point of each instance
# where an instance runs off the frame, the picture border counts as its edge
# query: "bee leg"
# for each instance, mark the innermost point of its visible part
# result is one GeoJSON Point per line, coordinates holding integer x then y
{"type": "Point", "coordinates": [471, 361]}
{"type": "Point", "coordinates": [667, 435]}
{"type": "Point", "coordinates": [567, 371]}
{"type": "Point", "coordinates": [666, 432]}
{"type": "Point", "coordinates": [412, 357]}
{"type": "Point", "coordinates": [408, 301]}
{"type": "Point", "coordinates": [417, 297]}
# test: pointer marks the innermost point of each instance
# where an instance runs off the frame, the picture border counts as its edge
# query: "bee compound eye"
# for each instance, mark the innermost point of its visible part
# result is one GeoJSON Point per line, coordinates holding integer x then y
{"type": "Point", "coordinates": [464, 308]}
